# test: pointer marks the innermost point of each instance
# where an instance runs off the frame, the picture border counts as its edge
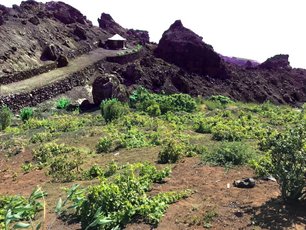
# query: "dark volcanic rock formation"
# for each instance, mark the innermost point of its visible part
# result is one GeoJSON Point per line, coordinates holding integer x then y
{"type": "Point", "coordinates": [107, 23]}
{"type": "Point", "coordinates": [108, 86]}
{"type": "Point", "coordinates": [65, 13]}
{"type": "Point", "coordinates": [280, 61]}
{"type": "Point", "coordinates": [186, 49]}
{"type": "Point", "coordinates": [32, 26]}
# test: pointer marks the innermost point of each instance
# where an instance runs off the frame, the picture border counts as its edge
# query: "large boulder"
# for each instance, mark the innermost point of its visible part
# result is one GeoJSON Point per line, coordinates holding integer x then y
{"type": "Point", "coordinates": [186, 49]}
{"type": "Point", "coordinates": [49, 53]}
{"type": "Point", "coordinates": [62, 61]}
{"type": "Point", "coordinates": [280, 61]}
{"type": "Point", "coordinates": [108, 86]}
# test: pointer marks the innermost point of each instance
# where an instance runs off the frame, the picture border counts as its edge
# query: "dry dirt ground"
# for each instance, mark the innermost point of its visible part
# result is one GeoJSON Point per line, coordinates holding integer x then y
{"type": "Point", "coordinates": [74, 65]}
{"type": "Point", "coordinates": [214, 204]}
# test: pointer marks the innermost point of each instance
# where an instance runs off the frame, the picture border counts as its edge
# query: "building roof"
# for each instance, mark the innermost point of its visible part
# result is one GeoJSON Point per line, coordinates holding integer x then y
{"type": "Point", "coordinates": [117, 37]}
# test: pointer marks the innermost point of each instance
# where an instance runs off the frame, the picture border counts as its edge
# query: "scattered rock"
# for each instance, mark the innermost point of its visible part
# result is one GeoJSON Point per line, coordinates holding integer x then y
{"type": "Point", "coordinates": [245, 183]}
{"type": "Point", "coordinates": [8, 71]}
{"type": "Point", "coordinates": [34, 20]}
{"type": "Point", "coordinates": [271, 178]}
{"type": "Point", "coordinates": [85, 105]}
{"type": "Point", "coordinates": [62, 61]}
{"type": "Point", "coordinates": [108, 86]}
{"type": "Point", "coordinates": [186, 49]}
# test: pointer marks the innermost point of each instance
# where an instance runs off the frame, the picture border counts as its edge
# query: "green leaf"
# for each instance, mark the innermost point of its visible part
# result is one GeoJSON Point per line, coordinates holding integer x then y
{"type": "Point", "coordinates": [38, 226]}
{"type": "Point", "coordinates": [59, 206]}
{"type": "Point", "coordinates": [21, 225]}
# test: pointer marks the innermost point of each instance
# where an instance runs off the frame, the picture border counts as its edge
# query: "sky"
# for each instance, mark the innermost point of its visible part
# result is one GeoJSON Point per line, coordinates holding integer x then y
{"type": "Point", "coordinates": [253, 29]}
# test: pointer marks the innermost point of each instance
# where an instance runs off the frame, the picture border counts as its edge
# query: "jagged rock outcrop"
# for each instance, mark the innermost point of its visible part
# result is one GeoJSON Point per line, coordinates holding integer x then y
{"type": "Point", "coordinates": [106, 22]}
{"type": "Point", "coordinates": [186, 49]}
{"type": "Point", "coordinates": [142, 36]}
{"type": "Point", "coordinates": [65, 13]}
{"type": "Point", "coordinates": [108, 86]}
{"type": "Point", "coordinates": [280, 61]}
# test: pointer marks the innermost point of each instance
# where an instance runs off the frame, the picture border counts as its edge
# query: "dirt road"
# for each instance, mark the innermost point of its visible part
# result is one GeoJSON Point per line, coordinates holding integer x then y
{"type": "Point", "coordinates": [40, 80]}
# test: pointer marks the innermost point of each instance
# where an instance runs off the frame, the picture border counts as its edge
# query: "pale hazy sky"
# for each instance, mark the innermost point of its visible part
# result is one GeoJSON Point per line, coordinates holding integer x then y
{"type": "Point", "coordinates": [254, 29]}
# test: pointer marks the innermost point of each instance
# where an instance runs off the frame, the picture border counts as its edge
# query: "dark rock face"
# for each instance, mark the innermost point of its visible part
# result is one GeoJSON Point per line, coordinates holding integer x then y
{"type": "Point", "coordinates": [186, 49]}
{"type": "Point", "coordinates": [34, 20]}
{"type": "Point", "coordinates": [49, 53]}
{"type": "Point", "coordinates": [65, 13]}
{"type": "Point", "coordinates": [62, 61]}
{"type": "Point", "coordinates": [1, 20]}
{"type": "Point", "coordinates": [108, 86]}
{"type": "Point", "coordinates": [140, 35]}
{"type": "Point", "coordinates": [106, 22]}
{"type": "Point", "coordinates": [280, 61]}
{"type": "Point", "coordinates": [80, 32]}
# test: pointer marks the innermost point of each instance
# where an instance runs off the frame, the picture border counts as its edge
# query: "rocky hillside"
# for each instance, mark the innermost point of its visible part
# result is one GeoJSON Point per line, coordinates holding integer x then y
{"type": "Point", "coordinates": [34, 35]}
{"type": "Point", "coordinates": [182, 62]}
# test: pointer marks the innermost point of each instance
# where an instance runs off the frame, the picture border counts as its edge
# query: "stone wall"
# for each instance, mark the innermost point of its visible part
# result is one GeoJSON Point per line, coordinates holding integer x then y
{"type": "Point", "coordinates": [19, 76]}
{"type": "Point", "coordinates": [126, 58]}
{"type": "Point", "coordinates": [18, 101]}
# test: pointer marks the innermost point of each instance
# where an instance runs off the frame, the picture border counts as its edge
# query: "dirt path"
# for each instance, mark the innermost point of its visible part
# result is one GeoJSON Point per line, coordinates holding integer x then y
{"type": "Point", "coordinates": [58, 74]}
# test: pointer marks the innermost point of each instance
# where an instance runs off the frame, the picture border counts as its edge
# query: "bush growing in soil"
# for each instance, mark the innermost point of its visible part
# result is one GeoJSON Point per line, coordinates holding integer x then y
{"type": "Point", "coordinates": [63, 103]}
{"type": "Point", "coordinates": [26, 113]}
{"type": "Point", "coordinates": [229, 154]}
{"type": "Point", "coordinates": [171, 152]}
{"type": "Point", "coordinates": [115, 202]}
{"type": "Point", "coordinates": [104, 145]}
{"type": "Point", "coordinates": [112, 109]}
{"type": "Point", "coordinates": [288, 157]}
{"type": "Point", "coordinates": [156, 104]}
{"type": "Point", "coordinates": [5, 117]}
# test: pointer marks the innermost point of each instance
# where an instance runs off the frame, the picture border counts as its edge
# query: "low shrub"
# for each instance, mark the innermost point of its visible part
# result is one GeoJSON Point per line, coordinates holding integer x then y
{"type": "Point", "coordinates": [65, 168]}
{"type": "Point", "coordinates": [171, 152]}
{"type": "Point", "coordinates": [5, 117]}
{"type": "Point", "coordinates": [288, 157]}
{"type": "Point", "coordinates": [156, 104]}
{"type": "Point", "coordinates": [228, 132]}
{"type": "Point", "coordinates": [115, 202]}
{"type": "Point", "coordinates": [26, 113]}
{"type": "Point", "coordinates": [63, 103]}
{"type": "Point", "coordinates": [112, 109]}
{"type": "Point", "coordinates": [229, 154]}
{"type": "Point", "coordinates": [93, 172]}
{"type": "Point", "coordinates": [104, 145]}
{"type": "Point", "coordinates": [41, 137]}
{"type": "Point", "coordinates": [48, 151]}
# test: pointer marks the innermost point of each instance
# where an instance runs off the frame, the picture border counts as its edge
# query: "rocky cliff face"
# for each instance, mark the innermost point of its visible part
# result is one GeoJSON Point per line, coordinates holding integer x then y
{"type": "Point", "coordinates": [186, 49]}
